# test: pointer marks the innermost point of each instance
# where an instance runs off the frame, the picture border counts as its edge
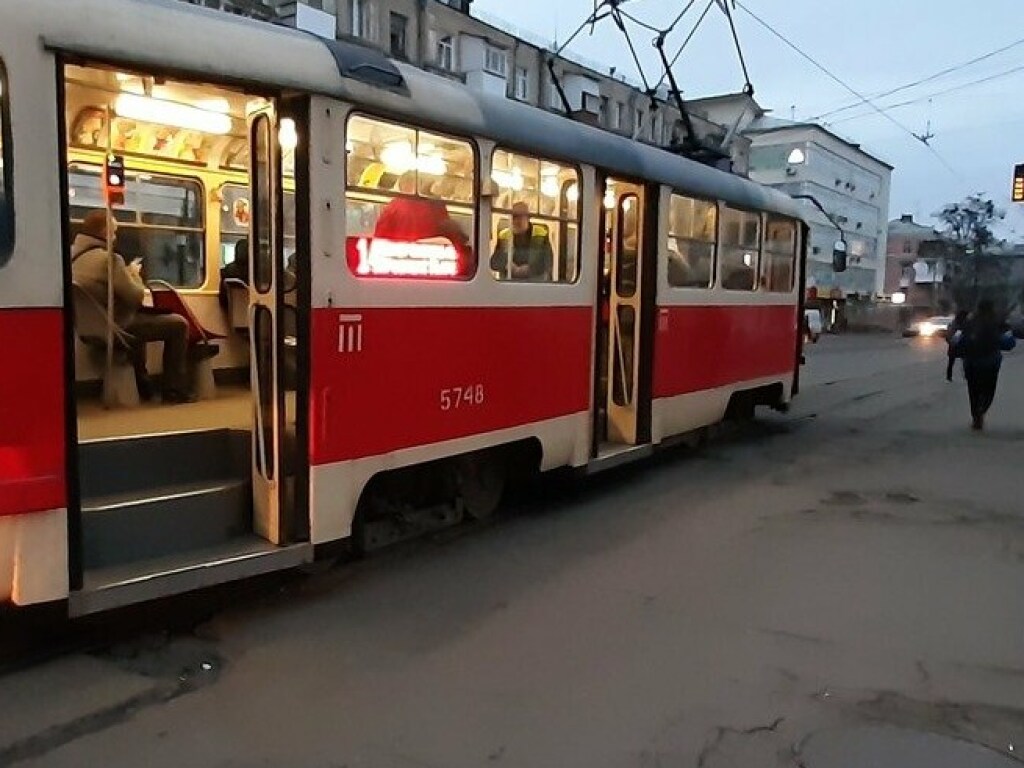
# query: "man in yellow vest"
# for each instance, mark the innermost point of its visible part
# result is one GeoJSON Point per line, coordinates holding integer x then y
{"type": "Point", "coordinates": [524, 250]}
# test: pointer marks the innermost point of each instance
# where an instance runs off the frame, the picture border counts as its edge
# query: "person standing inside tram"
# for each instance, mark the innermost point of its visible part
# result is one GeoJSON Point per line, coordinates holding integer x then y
{"type": "Point", "coordinates": [409, 217]}
{"type": "Point", "coordinates": [523, 251]}
{"type": "Point", "coordinates": [90, 270]}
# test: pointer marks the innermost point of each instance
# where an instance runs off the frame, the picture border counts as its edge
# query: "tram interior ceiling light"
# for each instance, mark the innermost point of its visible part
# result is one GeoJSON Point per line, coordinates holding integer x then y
{"type": "Point", "coordinates": [573, 193]}
{"type": "Point", "coordinates": [609, 199]}
{"type": "Point", "coordinates": [287, 135]}
{"type": "Point", "coordinates": [797, 157]}
{"type": "Point", "coordinates": [549, 186]}
{"type": "Point", "coordinates": [399, 158]}
{"type": "Point", "coordinates": [149, 110]}
{"type": "Point", "coordinates": [512, 179]}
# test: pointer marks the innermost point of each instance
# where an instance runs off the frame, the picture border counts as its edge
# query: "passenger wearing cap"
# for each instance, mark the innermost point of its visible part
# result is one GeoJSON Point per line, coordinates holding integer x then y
{"type": "Point", "coordinates": [523, 251]}
{"type": "Point", "coordinates": [89, 270]}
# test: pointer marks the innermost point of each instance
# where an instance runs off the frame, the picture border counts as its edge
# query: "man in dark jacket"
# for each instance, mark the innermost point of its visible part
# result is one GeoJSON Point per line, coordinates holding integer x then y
{"type": "Point", "coordinates": [524, 251]}
{"type": "Point", "coordinates": [981, 344]}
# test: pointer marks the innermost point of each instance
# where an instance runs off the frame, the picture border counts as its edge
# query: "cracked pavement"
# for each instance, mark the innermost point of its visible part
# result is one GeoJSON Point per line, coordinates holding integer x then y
{"type": "Point", "coordinates": [832, 587]}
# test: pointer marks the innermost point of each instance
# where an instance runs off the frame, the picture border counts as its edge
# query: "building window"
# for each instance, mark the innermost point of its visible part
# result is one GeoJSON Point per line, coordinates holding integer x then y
{"type": "Point", "coordinates": [445, 58]}
{"type": "Point", "coordinates": [399, 25]}
{"type": "Point", "coordinates": [777, 262]}
{"type": "Point", "coordinates": [741, 240]}
{"type": "Point", "coordinates": [656, 129]}
{"type": "Point", "coordinates": [555, 99]}
{"type": "Point", "coordinates": [6, 186]}
{"type": "Point", "coordinates": [908, 247]}
{"type": "Point", "coordinates": [619, 116]}
{"type": "Point", "coordinates": [692, 233]}
{"type": "Point", "coordinates": [534, 220]}
{"type": "Point", "coordinates": [160, 223]}
{"type": "Point", "coordinates": [638, 123]}
{"type": "Point", "coordinates": [411, 202]}
{"type": "Point", "coordinates": [522, 84]}
{"type": "Point", "coordinates": [495, 61]}
{"type": "Point", "coordinates": [361, 18]}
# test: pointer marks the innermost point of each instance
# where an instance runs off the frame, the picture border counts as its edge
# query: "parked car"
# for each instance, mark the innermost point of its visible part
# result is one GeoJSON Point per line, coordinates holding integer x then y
{"type": "Point", "coordinates": [813, 325]}
{"type": "Point", "coordinates": [937, 325]}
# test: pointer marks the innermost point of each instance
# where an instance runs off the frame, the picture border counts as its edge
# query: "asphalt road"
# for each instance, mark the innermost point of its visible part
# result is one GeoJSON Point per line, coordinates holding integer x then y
{"type": "Point", "coordinates": [836, 586]}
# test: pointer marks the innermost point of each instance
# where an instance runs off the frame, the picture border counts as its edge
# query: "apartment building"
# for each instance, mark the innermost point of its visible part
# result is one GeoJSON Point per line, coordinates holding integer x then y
{"type": "Point", "coordinates": [489, 55]}
{"type": "Point", "coordinates": [849, 182]}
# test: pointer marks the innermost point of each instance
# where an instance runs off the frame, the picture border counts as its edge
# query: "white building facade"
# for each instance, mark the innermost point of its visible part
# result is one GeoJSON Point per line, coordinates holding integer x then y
{"type": "Point", "coordinates": [852, 185]}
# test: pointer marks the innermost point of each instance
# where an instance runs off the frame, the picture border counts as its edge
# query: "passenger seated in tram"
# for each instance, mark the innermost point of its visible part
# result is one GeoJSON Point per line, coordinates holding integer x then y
{"type": "Point", "coordinates": [238, 269]}
{"type": "Point", "coordinates": [89, 270]}
{"type": "Point", "coordinates": [410, 218]}
{"type": "Point", "coordinates": [528, 245]}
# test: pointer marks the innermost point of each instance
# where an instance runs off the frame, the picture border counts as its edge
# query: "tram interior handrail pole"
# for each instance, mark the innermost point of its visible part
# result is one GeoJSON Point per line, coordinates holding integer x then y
{"type": "Point", "coordinates": [109, 361]}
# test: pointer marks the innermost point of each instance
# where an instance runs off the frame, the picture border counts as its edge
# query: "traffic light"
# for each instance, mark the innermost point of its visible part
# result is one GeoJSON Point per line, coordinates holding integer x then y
{"type": "Point", "coordinates": [114, 180]}
{"type": "Point", "coordinates": [1018, 184]}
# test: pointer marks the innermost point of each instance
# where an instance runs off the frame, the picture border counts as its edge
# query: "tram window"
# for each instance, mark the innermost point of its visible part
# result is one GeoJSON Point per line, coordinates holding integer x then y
{"type": "Point", "coordinates": [534, 219]}
{"type": "Point", "coordinates": [779, 254]}
{"type": "Point", "coordinates": [410, 205]}
{"type": "Point", "coordinates": [161, 222]}
{"type": "Point", "coordinates": [741, 236]}
{"type": "Point", "coordinates": [692, 234]}
{"type": "Point", "coordinates": [235, 215]}
{"type": "Point", "coordinates": [6, 190]}
{"type": "Point", "coordinates": [627, 245]}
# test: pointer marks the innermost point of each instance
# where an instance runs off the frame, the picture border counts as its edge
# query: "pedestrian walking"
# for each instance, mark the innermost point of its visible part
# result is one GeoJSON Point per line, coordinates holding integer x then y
{"type": "Point", "coordinates": [958, 324]}
{"type": "Point", "coordinates": [980, 345]}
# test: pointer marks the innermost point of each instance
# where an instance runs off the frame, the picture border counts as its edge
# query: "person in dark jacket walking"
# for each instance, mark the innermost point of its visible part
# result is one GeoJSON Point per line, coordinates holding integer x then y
{"type": "Point", "coordinates": [980, 344]}
{"type": "Point", "coordinates": [958, 324]}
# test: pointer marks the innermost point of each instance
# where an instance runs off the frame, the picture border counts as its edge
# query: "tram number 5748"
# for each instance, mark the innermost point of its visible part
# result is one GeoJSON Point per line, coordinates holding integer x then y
{"type": "Point", "coordinates": [457, 398]}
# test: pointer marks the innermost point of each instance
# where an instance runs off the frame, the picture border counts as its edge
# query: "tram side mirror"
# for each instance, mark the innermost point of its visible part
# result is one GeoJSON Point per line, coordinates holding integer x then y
{"type": "Point", "coordinates": [839, 256]}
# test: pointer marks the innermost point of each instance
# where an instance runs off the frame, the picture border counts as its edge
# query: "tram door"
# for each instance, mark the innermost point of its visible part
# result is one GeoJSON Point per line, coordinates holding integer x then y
{"type": "Point", "coordinates": [266, 267]}
{"type": "Point", "coordinates": [621, 314]}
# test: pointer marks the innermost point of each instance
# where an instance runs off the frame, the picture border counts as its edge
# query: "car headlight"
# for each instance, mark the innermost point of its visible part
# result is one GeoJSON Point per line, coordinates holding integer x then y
{"type": "Point", "coordinates": [927, 329]}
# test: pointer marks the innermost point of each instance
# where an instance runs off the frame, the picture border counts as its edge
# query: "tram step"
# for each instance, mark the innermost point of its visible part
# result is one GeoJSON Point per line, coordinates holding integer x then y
{"type": "Point", "coordinates": [135, 465]}
{"type": "Point", "coordinates": [166, 520]}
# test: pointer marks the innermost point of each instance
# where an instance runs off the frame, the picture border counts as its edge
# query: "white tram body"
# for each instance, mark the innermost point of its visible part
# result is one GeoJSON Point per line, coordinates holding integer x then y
{"type": "Point", "coordinates": [393, 372]}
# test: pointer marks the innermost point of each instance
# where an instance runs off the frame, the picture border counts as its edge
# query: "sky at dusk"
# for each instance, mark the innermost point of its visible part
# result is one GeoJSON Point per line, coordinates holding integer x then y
{"type": "Point", "coordinates": [873, 46]}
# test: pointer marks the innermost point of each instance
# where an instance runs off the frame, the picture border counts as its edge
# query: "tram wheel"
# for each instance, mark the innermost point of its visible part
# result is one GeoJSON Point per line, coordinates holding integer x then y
{"type": "Point", "coordinates": [480, 480]}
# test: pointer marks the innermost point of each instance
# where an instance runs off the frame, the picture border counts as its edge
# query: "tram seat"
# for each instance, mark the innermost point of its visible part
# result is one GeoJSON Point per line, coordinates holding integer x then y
{"type": "Point", "coordinates": [238, 304]}
{"type": "Point", "coordinates": [201, 349]}
{"type": "Point", "coordinates": [91, 324]}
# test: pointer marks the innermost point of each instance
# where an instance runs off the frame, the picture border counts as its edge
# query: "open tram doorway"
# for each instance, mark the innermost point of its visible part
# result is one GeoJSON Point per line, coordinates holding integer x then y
{"type": "Point", "coordinates": [189, 343]}
{"type": "Point", "coordinates": [625, 302]}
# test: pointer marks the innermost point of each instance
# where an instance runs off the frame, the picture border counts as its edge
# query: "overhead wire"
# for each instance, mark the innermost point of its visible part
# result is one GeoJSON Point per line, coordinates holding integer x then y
{"type": "Point", "coordinates": [934, 95]}
{"type": "Point", "coordinates": [924, 80]}
{"type": "Point", "coordinates": [831, 75]}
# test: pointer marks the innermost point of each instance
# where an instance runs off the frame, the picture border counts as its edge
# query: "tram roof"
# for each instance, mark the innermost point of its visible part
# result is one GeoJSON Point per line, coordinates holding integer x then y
{"type": "Point", "coordinates": [223, 47]}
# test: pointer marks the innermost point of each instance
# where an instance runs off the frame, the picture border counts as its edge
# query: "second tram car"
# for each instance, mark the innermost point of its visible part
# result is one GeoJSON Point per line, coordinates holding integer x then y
{"type": "Point", "coordinates": [400, 295]}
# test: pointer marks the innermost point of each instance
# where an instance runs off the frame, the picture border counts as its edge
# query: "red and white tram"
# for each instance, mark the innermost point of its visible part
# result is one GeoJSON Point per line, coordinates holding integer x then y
{"type": "Point", "coordinates": [369, 379]}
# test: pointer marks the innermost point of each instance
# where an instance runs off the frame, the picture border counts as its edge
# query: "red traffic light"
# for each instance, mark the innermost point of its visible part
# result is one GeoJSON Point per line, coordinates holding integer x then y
{"type": "Point", "coordinates": [114, 180]}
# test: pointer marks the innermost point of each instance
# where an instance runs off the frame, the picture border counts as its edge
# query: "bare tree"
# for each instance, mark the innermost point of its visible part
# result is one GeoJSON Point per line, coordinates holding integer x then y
{"type": "Point", "coordinates": [970, 225]}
